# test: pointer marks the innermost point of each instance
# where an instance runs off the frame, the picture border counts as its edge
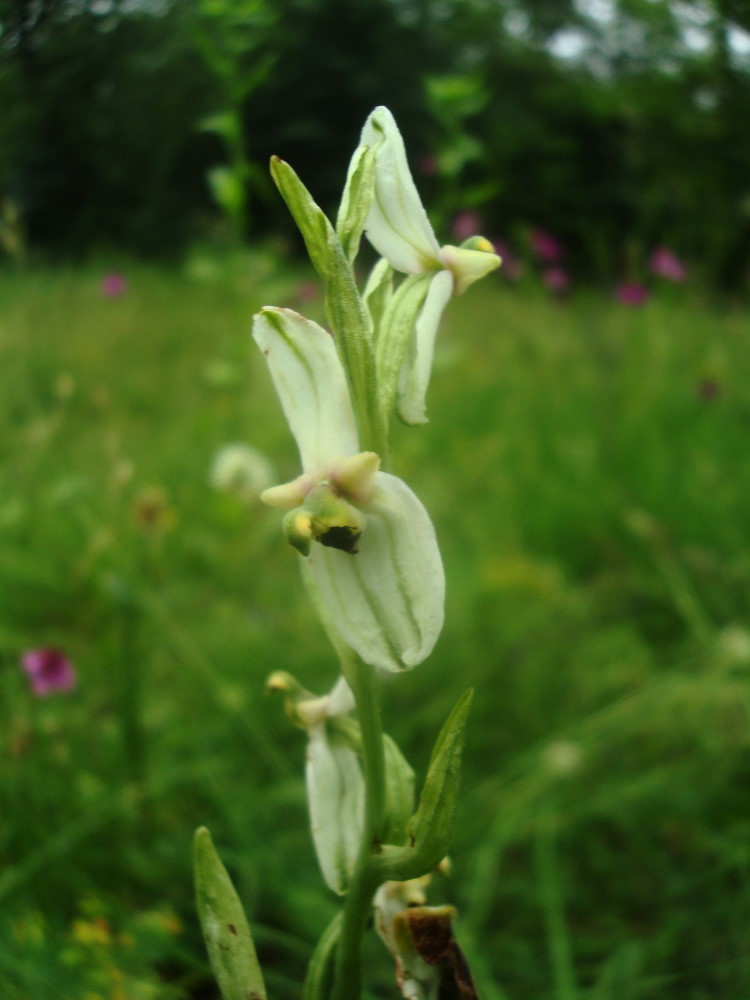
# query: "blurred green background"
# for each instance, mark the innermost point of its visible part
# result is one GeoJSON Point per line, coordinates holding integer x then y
{"type": "Point", "coordinates": [585, 466]}
{"type": "Point", "coordinates": [619, 125]}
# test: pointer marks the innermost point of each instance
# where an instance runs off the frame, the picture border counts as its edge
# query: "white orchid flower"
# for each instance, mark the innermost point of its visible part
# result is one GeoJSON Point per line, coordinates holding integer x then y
{"type": "Point", "coordinates": [335, 785]}
{"type": "Point", "coordinates": [368, 541]}
{"type": "Point", "coordinates": [398, 228]}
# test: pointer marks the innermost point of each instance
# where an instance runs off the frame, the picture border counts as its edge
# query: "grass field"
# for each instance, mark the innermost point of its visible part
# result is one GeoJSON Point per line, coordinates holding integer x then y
{"type": "Point", "coordinates": [586, 468]}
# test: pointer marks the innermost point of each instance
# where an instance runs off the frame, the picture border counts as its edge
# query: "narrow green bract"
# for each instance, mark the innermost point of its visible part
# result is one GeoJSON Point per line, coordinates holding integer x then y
{"type": "Point", "coordinates": [310, 218]}
{"type": "Point", "coordinates": [430, 827]}
{"type": "Point", "coordinates": [346, 314]}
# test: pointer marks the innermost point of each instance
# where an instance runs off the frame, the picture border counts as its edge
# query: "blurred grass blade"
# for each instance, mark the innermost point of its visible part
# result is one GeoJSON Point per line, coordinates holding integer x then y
{"type": "Point", "coordinates": [225, 928]}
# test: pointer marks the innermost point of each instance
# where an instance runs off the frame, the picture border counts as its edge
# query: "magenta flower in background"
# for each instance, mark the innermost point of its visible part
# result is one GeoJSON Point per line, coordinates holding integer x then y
{"type": "Point", "coordinates": [428, 165]}
{"type": "Point", "coordinates": [511, 267]}
{"type": "Point", "coordinates": [114, 285]}
{"type": "Point", "coordinates": [631, 293]}
{"type": "Point", "coordinates": [666, 264]}
{"type": "Point", "coordinates": [556, 279]}
{"type": "Point", "coordinates": [49, 671]}
{"type": "Point", "coordinates": [547, 248]}
{"type": "Point", "coordinates": [466, 224]}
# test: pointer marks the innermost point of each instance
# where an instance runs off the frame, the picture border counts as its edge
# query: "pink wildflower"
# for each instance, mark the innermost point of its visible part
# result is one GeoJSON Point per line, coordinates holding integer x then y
{"type": "Point", "coordinates": [428, 165]}
{"type": "Point", "coordinates": [556, 279]}
{"type": "Point", "coordinates": [631, 293]}
{"type": "Point", "coordinates": [547, 248]}
{"type": "Point", "coordinates": [666, 264]}
{"type": "Point", "coordinates": [114, 285]}
{"type": "Point", "coordinates": [466, 224]}
{"type": "Point", "coordinates": [49, 671]}
{"type": "Point", "coordinates": [512, 267]}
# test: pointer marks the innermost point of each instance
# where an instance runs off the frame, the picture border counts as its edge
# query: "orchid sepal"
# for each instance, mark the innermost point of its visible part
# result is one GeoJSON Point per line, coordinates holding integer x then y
{"type": "Point", "coordinates": [397, 225]}
{"type": "Point", "coordinates": [399, 229]}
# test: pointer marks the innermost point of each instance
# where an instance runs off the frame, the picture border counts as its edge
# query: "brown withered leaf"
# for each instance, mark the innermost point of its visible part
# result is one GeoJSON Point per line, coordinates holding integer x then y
{"type": "Point", "coordinates": [431, 930]}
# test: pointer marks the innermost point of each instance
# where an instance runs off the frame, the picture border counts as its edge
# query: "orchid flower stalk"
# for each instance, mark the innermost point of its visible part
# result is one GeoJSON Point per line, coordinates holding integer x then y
{"type": "Point", "coordinates": [368, 553]}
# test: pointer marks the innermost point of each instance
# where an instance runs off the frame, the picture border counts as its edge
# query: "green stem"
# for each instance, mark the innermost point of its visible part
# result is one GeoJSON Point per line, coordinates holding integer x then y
{"type": "Point", "coordinates": [361, 679]}
{"type": "Point", "coordinates": [365, 878]}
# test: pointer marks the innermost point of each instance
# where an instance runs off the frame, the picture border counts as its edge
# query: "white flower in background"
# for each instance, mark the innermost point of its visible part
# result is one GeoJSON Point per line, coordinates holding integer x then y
{"type": "Point", "coordinates": [368, 541]}
{"type": "Point", "coordinates": [241, 470]}
{"type": "Point", "coordinates": [335, 786]}
{"type": "Point", "coordinates": [398, 228]}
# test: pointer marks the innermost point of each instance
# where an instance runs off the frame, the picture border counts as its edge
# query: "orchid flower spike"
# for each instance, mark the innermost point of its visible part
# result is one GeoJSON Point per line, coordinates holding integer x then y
{"type": "Point", "coordinates": [398, 228]}
{"type": "Point", "coordinates": [368, 541]}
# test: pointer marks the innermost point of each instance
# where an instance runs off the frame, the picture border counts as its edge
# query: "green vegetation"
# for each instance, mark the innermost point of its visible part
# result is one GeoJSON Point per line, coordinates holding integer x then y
{"type": "Point", "coordinates": [585, 468]}
{"type": "Point", "coordinates": [618, 125]}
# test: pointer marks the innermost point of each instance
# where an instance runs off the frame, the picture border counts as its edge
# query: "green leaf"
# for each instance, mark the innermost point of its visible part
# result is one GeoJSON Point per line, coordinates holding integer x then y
{"type": "Point", "coordinates": [311, 220]}
{"type": "Point", "coordinates": [356, 201]}
{"type": "Point", "coordinates": [430, 827]}
{"type": "Point", "coordinates": [225, 928]}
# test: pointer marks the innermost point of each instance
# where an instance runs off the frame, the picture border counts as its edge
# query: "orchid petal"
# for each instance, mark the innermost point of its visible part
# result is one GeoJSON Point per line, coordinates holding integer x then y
{"type": "Point", "coordinates": [397, 333]}
{"type": "Point", "coordinates": [335, 792]}
{"type": "Point", "coordinates": [340, 699]}
{"type": "Point", "coordinates": [468, 266]}
{"type": "Point", "coordinates": [415, 371]}
{"type": "Point", "coordinates": [310, 383]}
{"type": "Point", "coordinates": [397, 225]}
{"type": "Point", "coordinates": [378, 292]}
{"type": "Point", "coordinates": [386, 602]}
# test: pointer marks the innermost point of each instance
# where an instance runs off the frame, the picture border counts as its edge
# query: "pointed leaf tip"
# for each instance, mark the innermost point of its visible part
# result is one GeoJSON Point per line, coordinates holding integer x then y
{"type": "Point", "coordinates": [430, 827]}
{"type": "Point", "coordinates": [225, 929]}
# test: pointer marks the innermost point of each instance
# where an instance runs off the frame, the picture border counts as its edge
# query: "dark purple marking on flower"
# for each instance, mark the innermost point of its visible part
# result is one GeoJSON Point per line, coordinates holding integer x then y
{"type": "Point", "coordinates": [341, 537]}
{"type": "Point", "coordinates": [49, 671]}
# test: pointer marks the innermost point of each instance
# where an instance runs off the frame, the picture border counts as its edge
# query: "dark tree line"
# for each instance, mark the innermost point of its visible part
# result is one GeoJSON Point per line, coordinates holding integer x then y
{"type": "Point", "coordinates": [617, 126]}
